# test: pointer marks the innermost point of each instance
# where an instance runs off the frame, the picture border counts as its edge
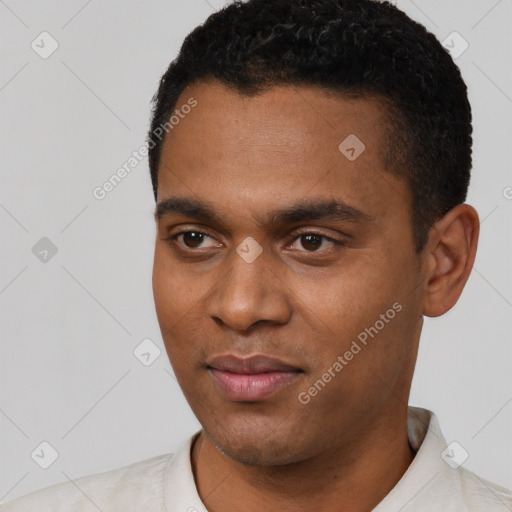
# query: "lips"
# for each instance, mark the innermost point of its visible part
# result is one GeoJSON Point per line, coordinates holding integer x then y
{"type": "Point", "coordinates": [251, 379]}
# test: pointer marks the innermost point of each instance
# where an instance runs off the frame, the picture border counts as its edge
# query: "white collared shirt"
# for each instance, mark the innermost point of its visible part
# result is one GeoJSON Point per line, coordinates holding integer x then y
{"type": "Point", "coordinates": [433, 482]}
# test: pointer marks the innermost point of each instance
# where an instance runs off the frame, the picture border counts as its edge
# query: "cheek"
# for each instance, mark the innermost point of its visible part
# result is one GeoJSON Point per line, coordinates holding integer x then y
{"type": "Point", "coordinates": [174, 290]}
{"type": "Point", "coordinates": [164, 290]}
{"type": "Point", "coordinates": [179, 297]}
{"type": "Point", "coordinates": [361, 312]}
{"type": "Point", "coordinates": [171, 300]}
{"type": "Point", "coordinates": [353, 295]}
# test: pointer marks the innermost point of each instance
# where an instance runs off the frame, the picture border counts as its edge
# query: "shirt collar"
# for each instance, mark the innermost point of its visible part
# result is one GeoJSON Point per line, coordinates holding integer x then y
{"type": "Point", "coordinates": [427, 484]}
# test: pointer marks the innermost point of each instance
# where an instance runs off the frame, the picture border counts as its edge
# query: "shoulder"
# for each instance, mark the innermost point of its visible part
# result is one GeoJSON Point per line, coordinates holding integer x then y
{"type": "Point", "coordinates": [434, 482]}
{"type": "Point", "coordinates": [481, 495]}
{"type": "Point", "coordinates": [138, 486]}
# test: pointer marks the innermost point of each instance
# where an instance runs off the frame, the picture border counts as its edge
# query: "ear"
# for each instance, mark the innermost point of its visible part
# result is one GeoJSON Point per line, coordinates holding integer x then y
{"type": "Point", "coordinates": [450, 254]}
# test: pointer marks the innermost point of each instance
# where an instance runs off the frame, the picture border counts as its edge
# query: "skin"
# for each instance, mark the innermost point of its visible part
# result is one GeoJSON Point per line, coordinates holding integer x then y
{"type": "Point", "coordinates": [247, 156]}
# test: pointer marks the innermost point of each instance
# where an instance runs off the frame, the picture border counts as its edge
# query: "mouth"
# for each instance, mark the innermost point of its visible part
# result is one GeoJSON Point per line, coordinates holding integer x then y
{"type": "Point", "coordinates": [251, 379]}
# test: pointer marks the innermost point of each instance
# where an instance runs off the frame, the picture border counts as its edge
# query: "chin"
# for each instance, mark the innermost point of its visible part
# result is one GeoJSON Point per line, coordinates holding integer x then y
{"type": "Point", "coordinates": [256, 454]}
{"type": "Point", "coordinates": [253, 445]}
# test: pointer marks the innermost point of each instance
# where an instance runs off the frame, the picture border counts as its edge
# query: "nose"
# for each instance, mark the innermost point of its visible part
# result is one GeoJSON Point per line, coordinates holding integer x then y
{"type": "Point", "coordinates": [250, 292]}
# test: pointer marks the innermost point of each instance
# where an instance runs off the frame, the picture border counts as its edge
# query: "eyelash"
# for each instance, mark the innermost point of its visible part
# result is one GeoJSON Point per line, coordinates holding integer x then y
{"type": "Point", "coordinates": [297, 235]}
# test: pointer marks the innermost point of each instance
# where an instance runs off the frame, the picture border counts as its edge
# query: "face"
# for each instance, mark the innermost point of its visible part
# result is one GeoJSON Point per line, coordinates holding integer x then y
{"type": "Point", "coordinates": [286, 284]}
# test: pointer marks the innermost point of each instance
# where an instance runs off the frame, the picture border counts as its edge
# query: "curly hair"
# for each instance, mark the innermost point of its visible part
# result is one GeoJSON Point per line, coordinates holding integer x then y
{"type": "Point", "coordinates": [355, 48]}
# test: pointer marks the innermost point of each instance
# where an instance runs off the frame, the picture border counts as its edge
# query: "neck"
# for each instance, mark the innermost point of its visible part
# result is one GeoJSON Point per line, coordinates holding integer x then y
{"type": "Point", "coordinates": [354, 476]}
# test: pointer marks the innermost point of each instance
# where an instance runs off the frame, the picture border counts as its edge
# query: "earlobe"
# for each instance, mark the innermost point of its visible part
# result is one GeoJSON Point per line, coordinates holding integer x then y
{"type": "Point", "coordinates": [451, 251]}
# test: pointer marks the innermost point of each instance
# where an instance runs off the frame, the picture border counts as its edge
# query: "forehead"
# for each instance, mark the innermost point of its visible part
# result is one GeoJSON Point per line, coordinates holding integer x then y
{"type": "Point", "coordinates": [288, 142]}
{"type": "Point", "coordinates": [285, 114]}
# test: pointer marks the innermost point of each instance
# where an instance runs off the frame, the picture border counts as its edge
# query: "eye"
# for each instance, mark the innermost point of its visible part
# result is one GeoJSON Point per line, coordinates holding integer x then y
{"type": "Point", "coordinates": [191, 239]}
{"type": "Point", "coordinates": [312, 242]}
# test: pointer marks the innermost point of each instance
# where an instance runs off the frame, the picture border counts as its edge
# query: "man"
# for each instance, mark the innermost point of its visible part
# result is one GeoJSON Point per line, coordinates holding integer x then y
{"type": "Point", "coordinates": [310, 162]}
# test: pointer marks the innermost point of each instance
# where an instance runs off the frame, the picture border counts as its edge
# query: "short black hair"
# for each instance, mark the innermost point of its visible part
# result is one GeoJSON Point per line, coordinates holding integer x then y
{"type": "Point", "coordinates": [356, 48]}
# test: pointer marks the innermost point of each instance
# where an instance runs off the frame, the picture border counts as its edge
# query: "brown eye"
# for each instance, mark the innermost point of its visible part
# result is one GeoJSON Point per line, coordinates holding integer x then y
{"type": "Point", "coordinates": [312, 242]}
{"type": "Point", "coordinates": [193, 239]}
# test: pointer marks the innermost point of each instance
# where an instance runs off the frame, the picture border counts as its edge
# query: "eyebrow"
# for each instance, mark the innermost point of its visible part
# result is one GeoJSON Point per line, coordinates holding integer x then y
{"type": "Point", "coordinates": [334, 210]}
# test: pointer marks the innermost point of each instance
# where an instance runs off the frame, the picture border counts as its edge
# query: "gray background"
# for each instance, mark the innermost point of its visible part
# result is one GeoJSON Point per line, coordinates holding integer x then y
{"type": "Point", "coordinates": [69, 325]}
